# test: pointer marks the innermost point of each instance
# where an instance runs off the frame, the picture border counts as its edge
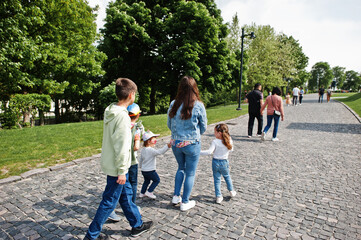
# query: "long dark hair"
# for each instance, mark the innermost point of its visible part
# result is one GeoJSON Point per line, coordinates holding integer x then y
{"type": "Point", "coordinates": [187, 94]}
{"type": "Point", "coordinates": [226, 137]}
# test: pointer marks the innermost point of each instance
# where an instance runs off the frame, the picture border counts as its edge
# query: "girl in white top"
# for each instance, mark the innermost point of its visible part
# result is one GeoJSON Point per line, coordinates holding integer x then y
{"type": "Point", "coordinates": [147, 163]}
{"type": "Point", "coordinates": [220, 148]}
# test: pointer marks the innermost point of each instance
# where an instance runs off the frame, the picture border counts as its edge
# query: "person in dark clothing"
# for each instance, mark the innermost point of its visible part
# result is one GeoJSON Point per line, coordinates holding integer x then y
{"type": "Point", "coordinates": [321, 91]}
{"type": "Point", "coordinates": [255, 101]}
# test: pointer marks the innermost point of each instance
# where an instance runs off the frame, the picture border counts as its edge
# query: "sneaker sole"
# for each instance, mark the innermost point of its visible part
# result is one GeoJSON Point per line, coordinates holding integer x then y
{"type": "Point", "coordinates": [137, 235]}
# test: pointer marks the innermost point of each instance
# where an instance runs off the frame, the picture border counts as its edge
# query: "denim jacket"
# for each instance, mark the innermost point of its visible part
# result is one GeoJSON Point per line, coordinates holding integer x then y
{"type": "Point", "coordinates": [190, 129]}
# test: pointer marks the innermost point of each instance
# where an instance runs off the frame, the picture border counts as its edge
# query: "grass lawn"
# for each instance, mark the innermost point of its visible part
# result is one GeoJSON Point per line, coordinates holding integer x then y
{"type": "Point", "coordinates": [29, 148]}
{"type": "Point", "coordinates": [353, 101]}
{"type": "Point", "coordinates": [342, 94]}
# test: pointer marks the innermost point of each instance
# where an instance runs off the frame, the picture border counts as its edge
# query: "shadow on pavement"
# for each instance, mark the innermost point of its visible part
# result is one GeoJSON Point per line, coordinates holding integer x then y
{"type": "Point", "coordinates": [327, 127]}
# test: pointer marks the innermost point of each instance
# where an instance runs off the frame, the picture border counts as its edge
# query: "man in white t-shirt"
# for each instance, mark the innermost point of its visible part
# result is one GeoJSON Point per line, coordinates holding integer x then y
{"type": "Point", "coordinates": [295, 92]}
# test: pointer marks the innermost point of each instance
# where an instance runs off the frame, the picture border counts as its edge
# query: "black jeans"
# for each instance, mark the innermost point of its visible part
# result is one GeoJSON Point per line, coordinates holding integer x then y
{"type": "Point", "coordinates": [251, 123]}
{"type": "Point", "coordinates": [301, 99]}
{"type": "Point", "coordinates": [294, 100]}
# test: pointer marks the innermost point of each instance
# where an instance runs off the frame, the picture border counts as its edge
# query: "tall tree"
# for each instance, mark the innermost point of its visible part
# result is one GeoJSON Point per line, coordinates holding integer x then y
{"type": "Point", "coordinates": [155, 42]}
{"type": "Point", "coordinates": [339, 76]}
{"type": "Point", "coordinates": [47, 48]}
{"type": "Point", "coordinates": [234, 37]}
{"type": "Point", "coordinates": [321, 75]}
{"type": "Point", "coordinates": [353, 81]}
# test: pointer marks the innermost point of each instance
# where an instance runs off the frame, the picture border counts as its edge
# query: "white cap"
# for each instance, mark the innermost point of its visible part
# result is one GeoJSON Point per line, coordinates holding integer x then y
{"type": "Point", "coordinates": [148, 135]}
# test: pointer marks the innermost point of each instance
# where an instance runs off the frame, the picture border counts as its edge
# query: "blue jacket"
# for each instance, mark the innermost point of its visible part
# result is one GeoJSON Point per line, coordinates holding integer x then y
{"type": "Point", "coordinates": [190, 129]}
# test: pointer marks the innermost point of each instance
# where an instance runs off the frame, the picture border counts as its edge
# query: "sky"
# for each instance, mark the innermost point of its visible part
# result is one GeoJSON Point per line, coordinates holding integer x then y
{"type": "Point", "coordinates": [328, 30]}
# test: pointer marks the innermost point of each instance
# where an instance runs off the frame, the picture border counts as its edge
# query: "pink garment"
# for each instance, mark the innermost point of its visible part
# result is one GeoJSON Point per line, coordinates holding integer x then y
{"type": "Point", "coordinates": [277, 101]}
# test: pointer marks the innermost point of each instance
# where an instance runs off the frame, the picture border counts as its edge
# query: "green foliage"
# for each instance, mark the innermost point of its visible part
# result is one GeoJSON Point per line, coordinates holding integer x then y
{"type": "Point", "coordinates": [339, 76]}
{"type": "Point", "coordinates": [107, 96]}
{"type": "Point", "coordinates": [352, 81]}
{"type": "Point", "coordinates": [321, 75]}
{"type": "Point", "coordinates": [154, 43]}
{"type": "Point", "coordinates": [21, 104]}
{"type": "Point", "coordinates": [47, 48]}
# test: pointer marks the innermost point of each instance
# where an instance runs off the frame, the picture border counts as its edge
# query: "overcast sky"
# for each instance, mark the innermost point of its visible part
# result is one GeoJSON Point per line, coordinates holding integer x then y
{"type": "Point", "coordinates": [327, 30]}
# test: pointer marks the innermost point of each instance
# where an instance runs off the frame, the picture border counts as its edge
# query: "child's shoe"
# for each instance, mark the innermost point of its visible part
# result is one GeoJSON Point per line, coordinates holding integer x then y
{"type": "Point", "coordinates": [150, 195]}
{"type": "Point", "coordinates": [176, 200]}
{"type": "Point", "coordinates": [233, 193]}
{"type": "Point", "coordinates": [188, 205]}
{"type": "Point", "coordinates": [219, 199]}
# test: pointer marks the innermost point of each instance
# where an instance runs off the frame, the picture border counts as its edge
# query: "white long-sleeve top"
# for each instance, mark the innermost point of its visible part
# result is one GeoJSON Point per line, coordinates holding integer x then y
{"type": "Point", "coordinates": [147, 161]}
{"type": "Point", "coordinates": [219, 150]}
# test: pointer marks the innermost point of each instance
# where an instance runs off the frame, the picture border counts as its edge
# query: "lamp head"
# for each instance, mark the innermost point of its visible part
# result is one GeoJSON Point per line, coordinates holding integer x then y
{"type": "Point", "coordinates": [252, 36]}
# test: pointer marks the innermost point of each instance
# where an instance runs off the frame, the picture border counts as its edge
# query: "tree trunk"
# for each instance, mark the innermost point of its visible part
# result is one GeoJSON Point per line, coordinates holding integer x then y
{"type": "Point", "coordinates": [152, 96]}
{"type": "Point", "coordinates": [41, 117]}
{"type": "Point", "coordinates": [26, 119]}
{"type": "Point", "coordinates": [56, 110]}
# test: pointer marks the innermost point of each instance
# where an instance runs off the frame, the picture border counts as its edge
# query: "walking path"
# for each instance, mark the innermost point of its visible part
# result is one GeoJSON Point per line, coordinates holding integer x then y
{"type": "Point", "coordinates": [306, 186]}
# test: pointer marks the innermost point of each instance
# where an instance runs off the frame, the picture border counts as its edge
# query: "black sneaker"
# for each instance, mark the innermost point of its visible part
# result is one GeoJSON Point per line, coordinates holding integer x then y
{"type": "Point", "coordinates": [139, 230]}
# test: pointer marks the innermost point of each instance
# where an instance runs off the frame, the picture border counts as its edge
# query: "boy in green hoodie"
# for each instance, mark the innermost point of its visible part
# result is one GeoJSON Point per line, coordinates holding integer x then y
{"type": "Point", "coordinates": [115, 162]}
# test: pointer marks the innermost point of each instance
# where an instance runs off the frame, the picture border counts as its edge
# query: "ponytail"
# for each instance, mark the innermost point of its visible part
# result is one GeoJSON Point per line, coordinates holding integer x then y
{"type": "Point", "coordinates": [226, 137]}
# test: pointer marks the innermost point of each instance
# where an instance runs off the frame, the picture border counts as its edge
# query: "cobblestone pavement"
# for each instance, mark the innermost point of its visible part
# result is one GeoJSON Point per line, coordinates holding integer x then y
{"type": "Point", "coordinates": [306, 186]}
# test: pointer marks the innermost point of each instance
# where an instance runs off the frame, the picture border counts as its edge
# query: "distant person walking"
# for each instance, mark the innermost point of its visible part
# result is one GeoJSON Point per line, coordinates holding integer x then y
{"type": "Point", "coordinates": [274, 112]}
{"type": "Point", "coordinates": [301, 95]}
{"type": "Point", "coordinates": [329, 93]}
{"type": "Point", "coordinates": [295, 92]}
{"type": "Point", "coordinates": [255, 101]}
{"type": "Point", "coordinates": [321, 91]}
{"type": "Point", "coordinates": [187, 120]}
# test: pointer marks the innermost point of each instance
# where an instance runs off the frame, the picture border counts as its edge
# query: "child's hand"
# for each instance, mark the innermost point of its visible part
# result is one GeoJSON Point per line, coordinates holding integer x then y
{"type": "Point", "coordinates": [136, 137]}
{"type": "Point", "coordinates": [169, 145]}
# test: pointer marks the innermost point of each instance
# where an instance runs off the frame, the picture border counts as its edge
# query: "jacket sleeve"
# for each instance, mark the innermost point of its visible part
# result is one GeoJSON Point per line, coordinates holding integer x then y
{"type": "Point", "coordinates": [122, 139]}
{"type": "Point", "coordinates": [202, 118]}
{"type": "Point", "coordinates": [210, 149]}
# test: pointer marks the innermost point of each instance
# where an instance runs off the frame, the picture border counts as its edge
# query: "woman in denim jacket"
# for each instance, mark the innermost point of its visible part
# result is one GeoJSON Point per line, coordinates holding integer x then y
{"type": "Point", "coordinates": [187, 120]}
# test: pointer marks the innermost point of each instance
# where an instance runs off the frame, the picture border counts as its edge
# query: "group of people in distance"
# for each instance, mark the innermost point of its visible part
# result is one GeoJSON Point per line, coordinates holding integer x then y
{"type": "Point", "coordinates": [256, 107]}
{"type": "Point", "coordinates": [321, 91]}
{"type": "Point", "coordinates": [297, 94]}
{"type": "Point", "coordinates": [122, 131]}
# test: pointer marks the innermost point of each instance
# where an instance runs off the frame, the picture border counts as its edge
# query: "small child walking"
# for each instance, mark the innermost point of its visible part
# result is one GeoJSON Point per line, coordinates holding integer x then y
{"type": "Point", "coordinates": [288, 99]}
{"type": "Point", "coordinates": [147, 163]}
{"type": "Point", "coordinates": [220, 148]}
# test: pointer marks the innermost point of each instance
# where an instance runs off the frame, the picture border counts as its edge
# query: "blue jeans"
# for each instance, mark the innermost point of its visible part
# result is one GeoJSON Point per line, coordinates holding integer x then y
{"type": "Point", "coordinates": [150, 176]}
{"type": "Point", "coordinates": [187, 158]}
{"type": "Point", "coordinates": [220, 168]}
{"type": "Point", "coordinates": [112, 194]}
{"type": "Point", "coordinates": [133, 179]}
{"type": "Point", "coordinates": [269, 123]}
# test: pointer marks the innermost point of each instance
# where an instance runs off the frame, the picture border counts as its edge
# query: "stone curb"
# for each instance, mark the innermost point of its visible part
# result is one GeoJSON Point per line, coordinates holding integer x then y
{"type": "Point", "coordinates": [352, 111]}
{"type": "Point", "coordinates": [39, 171]}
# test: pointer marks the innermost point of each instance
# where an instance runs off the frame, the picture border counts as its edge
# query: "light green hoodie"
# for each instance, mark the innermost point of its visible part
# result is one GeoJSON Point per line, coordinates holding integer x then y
{"type": "Point", "coordinates": [117, 139]}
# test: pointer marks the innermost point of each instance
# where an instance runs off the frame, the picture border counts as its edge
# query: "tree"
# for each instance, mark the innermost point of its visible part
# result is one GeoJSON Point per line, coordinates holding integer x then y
{"type": "Point", "coordinates": [353, 81]}
{"type": "Point", "coordinates": [234, 37]}
{"type": "Point", "coordinates": [155, 42]}
{"type": "Point", "coordinates": [47, 48]}
{"type": "Point", "coordinates": [339, 76]}
{"type": "Point", "coordinates": [321, 75]}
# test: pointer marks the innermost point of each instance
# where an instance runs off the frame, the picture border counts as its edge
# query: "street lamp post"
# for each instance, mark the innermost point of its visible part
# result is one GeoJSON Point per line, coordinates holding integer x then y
{"type": "Point", "coordinates": [251, 35]}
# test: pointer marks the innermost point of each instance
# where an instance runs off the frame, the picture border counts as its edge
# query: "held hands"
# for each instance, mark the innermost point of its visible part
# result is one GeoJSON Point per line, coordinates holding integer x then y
{"type": "Point", "coordinates": [121, 179]}
{"type": "Point", "coordinates": [169, 145]}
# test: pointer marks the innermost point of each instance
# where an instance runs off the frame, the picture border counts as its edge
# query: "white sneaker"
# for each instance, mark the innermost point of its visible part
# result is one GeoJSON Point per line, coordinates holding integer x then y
{"type": "Point", "coordinates": [150, 195]}
{"type": "Point", "coordinates": [176, 199]}
{"type": "Point", "coordinates": [188, 205]}
{"type": "Point", "coordinates": [219, 199]}
{"type": "Point", "coordinates": [263, 136]}
{"type": "Point", "coordinates": [141, 195]}
{"type": "Point", "coordinates": [249, 136]}
{"type": "Point", "coordinates": [259, 135]}
{"type": "Point", "coordinates": [233, 193]}
{"type": "Point", "coordinates": [275, 139]}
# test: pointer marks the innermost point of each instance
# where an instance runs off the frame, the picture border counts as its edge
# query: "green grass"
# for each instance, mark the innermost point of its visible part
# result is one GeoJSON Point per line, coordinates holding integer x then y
{"type": "Point", "coordinates": [29, 148]}
{"type": "Point", "coordinates": [354, 102]}
{"type": "Point", "coordinates": [342, 94]}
